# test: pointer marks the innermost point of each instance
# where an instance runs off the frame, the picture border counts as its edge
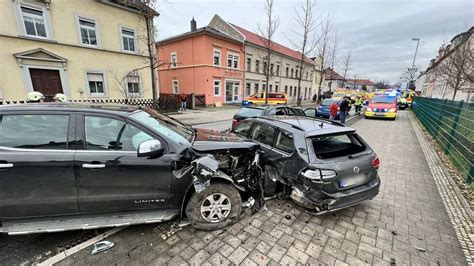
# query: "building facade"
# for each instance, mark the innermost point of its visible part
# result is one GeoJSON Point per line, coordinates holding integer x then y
{"type": "Point", "coordinates": [438, 84]}
{"type": "Point", "coordinates": [284, 64]}
{"type": "Point", "coordinates": [332, 81]}
{"type": "Point", "coordinates": [84, 49]}
{"type": "Point", "coordinates": [202, 62]}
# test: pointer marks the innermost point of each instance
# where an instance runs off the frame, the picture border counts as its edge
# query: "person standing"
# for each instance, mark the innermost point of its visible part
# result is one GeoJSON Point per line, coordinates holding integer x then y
{"type": "Point", "coordinates": [358, 105]}
{"type": "Point", "coordinates": [344, 109]}
{"type": "Point", "coordinates": [333, 110]}
{"type": "Point", "coordinates": [183, 98]}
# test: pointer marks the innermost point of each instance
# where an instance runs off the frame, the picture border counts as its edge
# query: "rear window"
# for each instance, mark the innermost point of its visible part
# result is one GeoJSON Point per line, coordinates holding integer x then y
{"type": "Point", "coordinates": [326, 102]}
{"type": "Point", "coordinates": [327, 147]}
{"type": "Point", "coordinates": [276, 95]}
{"type": "Point", "coordinates": [249, 112]}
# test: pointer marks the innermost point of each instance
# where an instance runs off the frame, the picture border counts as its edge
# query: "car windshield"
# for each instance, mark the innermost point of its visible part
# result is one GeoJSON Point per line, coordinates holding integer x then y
{"type": "Point", "coordinates": [383, 99]}
{"type": "Point", "coordinates": [165, 125]}
{"type": "Point", "coordinates": [249, 112]}
{"type": "Point", "coordinates": [326, 102]}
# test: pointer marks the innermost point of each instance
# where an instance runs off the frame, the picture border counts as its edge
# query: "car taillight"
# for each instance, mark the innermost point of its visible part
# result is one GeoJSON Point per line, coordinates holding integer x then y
{"type": "Point", "coordinates": [235, 122]}
{"type": "Point", "coordinates": [316, 175]}
{"type": "Point", "coordinates": [376, 162]}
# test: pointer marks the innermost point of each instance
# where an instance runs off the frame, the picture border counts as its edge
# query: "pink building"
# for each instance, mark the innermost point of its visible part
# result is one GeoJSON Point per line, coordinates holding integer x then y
{"type": "Point", "coordinates": [203, 61]}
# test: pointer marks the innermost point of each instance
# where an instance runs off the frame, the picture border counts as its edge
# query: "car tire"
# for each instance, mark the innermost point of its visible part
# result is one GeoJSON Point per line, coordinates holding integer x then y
{"type": "Point", "coordinates": [366, 117]}
{"type": "Point", "coordinates": [204, 211]}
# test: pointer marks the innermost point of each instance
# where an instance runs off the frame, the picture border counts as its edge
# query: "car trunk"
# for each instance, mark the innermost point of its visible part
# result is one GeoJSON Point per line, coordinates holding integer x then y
{"type": "Point", "coordinates": [348, 159]}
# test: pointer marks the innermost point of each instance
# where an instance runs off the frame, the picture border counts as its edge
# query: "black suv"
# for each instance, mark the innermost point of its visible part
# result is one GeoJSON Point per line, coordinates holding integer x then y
{"type": "Point", "coordinates": [322, 165]}
{"type": "Point", "coordinates": [70, 166]}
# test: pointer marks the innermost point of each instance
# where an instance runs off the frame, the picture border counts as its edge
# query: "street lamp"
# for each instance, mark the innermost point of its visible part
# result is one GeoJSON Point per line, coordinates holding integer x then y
{"type": "Point", "coordinates": [414, 58]}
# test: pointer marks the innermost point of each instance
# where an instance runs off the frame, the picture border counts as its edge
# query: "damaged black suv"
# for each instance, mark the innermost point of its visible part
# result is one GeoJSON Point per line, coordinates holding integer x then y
{"type": "Point", "coordinates": [73, 166]}
{"type": "Point", "coordinates": [322, 165]}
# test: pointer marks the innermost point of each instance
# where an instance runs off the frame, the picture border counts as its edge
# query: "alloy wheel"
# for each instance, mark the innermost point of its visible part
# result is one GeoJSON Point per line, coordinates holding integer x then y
{"type": "Point", "coordinates": [215, 208]}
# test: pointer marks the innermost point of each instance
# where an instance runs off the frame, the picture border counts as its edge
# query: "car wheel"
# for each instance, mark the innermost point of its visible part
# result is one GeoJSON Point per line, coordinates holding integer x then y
{"type": "Point", "coordinates": [216, 207]}
{"type": "Point", "coordinates": [366, 117]}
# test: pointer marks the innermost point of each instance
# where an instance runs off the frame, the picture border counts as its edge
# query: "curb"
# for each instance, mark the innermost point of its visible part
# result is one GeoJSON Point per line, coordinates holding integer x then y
{"type": "Point", "coordinates": [460, 217]}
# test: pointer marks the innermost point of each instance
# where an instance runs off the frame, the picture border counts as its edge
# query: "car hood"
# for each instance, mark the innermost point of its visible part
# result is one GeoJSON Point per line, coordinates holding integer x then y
{"type": "Point", "coordinates": [212, 140]}
{"type": "Point", "coordinates": [382, 105]}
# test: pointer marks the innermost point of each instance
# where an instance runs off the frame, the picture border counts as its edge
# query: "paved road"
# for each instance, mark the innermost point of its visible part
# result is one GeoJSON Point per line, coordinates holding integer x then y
{"type": "Point", "coordinates": [405, 224]}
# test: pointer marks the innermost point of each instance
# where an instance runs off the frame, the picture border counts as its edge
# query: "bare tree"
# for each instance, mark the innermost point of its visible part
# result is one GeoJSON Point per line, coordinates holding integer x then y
{"type": "Point", "coordinates": [346, 67]}
{"type": "Point", "coordinates": [333, 57]}
{"type": "Point", "coordinates": [409, 76]}
{"type": "Point", "coordinates": [322, 47]}
{"type": "Point", "coordinates": [147, 10]}
{"type": "Point", "coordinates": [129, 84]}
{"type": "Point", "coordinates": [304, 41]}
{"type": "Point", "coordinates": [456, 69]}
{"type": "Point", "coordinates": [266, 33]}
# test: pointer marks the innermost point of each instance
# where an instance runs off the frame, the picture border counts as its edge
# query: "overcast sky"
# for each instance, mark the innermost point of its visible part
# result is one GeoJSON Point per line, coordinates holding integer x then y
{"type": "Point", "coordinates": [378, 32]}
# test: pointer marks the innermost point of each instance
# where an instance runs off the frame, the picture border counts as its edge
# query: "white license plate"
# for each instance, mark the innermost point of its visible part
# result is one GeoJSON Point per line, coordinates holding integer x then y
{"type": "Point", "coordinates": [379, 114]}
{"type": "Point", "coordinates": [348, 182]}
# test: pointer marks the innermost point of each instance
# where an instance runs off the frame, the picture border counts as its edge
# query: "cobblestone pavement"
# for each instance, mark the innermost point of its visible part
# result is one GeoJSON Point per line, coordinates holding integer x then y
{"type": "Point", "coordinates": [405, 224]}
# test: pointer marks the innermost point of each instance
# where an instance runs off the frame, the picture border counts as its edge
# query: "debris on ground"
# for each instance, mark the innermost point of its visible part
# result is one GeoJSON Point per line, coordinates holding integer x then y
{"type": "Point", "coordinates": [288, 217]}
{"type": "Point", "coordinates": [420, 249]}
{"type": "Point", "coordinates": [101, 246]}
{"type": "Point", "coordinates": [394, 233]}
{"type": "Point", "coordinates": [392, 262]}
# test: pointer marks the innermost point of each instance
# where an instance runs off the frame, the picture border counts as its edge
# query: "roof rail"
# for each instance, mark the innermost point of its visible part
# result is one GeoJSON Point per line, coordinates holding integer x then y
{"type": "Point", "coordinates": [283, 122]}
{"type": "Point", "coordinates": [329, 120]}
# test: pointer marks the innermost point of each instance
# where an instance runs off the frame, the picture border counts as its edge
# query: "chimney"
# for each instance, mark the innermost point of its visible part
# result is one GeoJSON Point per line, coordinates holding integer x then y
{"type": "Point", "coordinates": [193, 25]}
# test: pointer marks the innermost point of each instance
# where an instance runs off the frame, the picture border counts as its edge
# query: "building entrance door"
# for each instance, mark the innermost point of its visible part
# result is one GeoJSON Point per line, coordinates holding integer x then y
{"type": "Point", "coordinates": [232, 91]}
{"type": "Point", "coordinates": [46, 81]}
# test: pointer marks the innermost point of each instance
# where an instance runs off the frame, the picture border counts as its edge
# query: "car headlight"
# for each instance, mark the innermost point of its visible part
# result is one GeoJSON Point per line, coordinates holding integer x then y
{"type": "Point", "coordinates": [392, 110]}
{"type": "Point", "coordinates": [369, 109]}
{"type": "Point", "coordinates": [316, 175]}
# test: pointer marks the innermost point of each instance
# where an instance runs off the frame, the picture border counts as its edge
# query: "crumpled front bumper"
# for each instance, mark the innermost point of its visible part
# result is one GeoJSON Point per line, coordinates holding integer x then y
{"type": "Point", "coordinates": [329, 202]}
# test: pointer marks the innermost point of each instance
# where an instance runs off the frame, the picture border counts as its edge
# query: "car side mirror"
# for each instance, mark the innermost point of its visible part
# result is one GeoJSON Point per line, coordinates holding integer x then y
{"type": "Point", "coordinates": [150, 148]}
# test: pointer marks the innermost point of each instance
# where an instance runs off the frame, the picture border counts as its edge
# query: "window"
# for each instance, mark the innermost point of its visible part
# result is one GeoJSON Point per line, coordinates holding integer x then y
{"type": "Point", "coordinates": [96, 83]}
{"type": "Point", "coordinates": [287, 70]}
{"type": "Point", "coordinates": [255, 87]}
{"type": "Point", "coordinates": [249, 64]}
{"type": "Point", "coordinates": [264, 134]}
{"type": "Point", "coordinates": [270, 87]}
{"type": "Point", "coordinates": [271, 69]}
{"type": "Point", "coordinates": [133, 84]}
{"type": "Point", "coordinates": [174, 59]}
{"type": "Point", "coordinates": [217, 57]}
{"type": "Point", "coordinates": [276, 88]}
{"type": "Point", "coordinates": [327, 147]}
{"type": "Point", "coordinates": [265, 65]}
{"type": "Point", "coordinates": [297, 74]}
{"type": "Point", "coordinates": [242, 128]}
{"type": "Point", "coordinates": [248, 89]}
{"type": "Point", "coordinates": [34, 21]}
{"type": "Point", "coordinates": [232, 60]}
{"type": "Point", "coordinates": [110, 134]}
{"type": "Point", "coordinates": [286, 89]}
{"type": "Point", "coordinates": [34, 131]}
{"type": "Point", "coordinates": [278, 70]}
{"type": "Point", "coordinates": [292, 72]}
{"type": "Point", "coordinates": [128, 40]}
{"type": "Point", "coordinates": [175, 87]}
{"type": "Point", "coordinates": [291, 90]}
{"type": "Point", "coordinates": [306, 75]}
{"type": "Point", "coordinates": [217, 88]}
{"type": "Point", "coordinates": [264, 87]}
{"type": "Point", "coordinates": [284, 142]}
{"type": "Point", "coordinates": [311, 112]}
{"type": "Point", "coordinates": [257, 66]}
{"type": "Point", "coordinates": [88, 31]}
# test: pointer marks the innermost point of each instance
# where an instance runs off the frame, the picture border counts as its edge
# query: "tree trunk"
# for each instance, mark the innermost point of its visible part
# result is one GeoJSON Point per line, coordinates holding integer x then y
{"type": "Point", "coordinates": [151, 58]}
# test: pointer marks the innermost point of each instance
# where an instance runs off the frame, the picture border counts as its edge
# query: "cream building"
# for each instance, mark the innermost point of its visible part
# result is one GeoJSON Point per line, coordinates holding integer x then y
{"type": "Point", "coordinates": [88, 49]}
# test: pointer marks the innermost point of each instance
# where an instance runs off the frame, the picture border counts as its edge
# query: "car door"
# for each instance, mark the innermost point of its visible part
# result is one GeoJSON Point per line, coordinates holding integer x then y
{"type": "Point", "coordinates": [111, 177]}
{"type": "Point", "coordinates": [36, 164]}
{"type": "Point", "coordinates": [310, 112]}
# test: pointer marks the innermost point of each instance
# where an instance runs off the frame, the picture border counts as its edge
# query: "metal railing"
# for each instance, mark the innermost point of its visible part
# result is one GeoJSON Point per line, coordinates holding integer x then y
{"type": "Point", "coordinates": [451, 124]}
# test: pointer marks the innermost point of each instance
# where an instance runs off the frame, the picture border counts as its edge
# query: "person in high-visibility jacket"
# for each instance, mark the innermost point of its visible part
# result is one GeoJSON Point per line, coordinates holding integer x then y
{"type": "Point", "coordinates": [358, 104]}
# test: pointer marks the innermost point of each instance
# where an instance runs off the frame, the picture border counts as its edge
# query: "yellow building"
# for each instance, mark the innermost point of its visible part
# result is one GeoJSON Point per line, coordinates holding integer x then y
{"type": "Point", "coordinates": [87, 49]}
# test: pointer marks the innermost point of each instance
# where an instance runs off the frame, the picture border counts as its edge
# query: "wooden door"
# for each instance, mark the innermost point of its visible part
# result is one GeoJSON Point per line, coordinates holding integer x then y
{"type": "Point", "coordinates": [46, 81]}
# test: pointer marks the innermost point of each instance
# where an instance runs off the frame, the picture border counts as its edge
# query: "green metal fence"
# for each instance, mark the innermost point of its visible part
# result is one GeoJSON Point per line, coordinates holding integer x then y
{"type": "Point", "coordinates": [451, 124]}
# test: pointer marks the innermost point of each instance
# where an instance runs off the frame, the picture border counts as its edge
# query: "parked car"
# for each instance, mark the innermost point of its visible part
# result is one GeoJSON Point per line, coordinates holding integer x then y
{"type": "Point", "coordinates": [382, 106]}
{"type": "Point", "coordinates": [271, 110]}
{"type": "Point", "coordinates": [71, 166]}
{"type": "Point", "coordinates": [321, 165]}
{"type": "Point", "coordinates": [259, 99]}
{"type": "Point", "coordinates": [324, 108]}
